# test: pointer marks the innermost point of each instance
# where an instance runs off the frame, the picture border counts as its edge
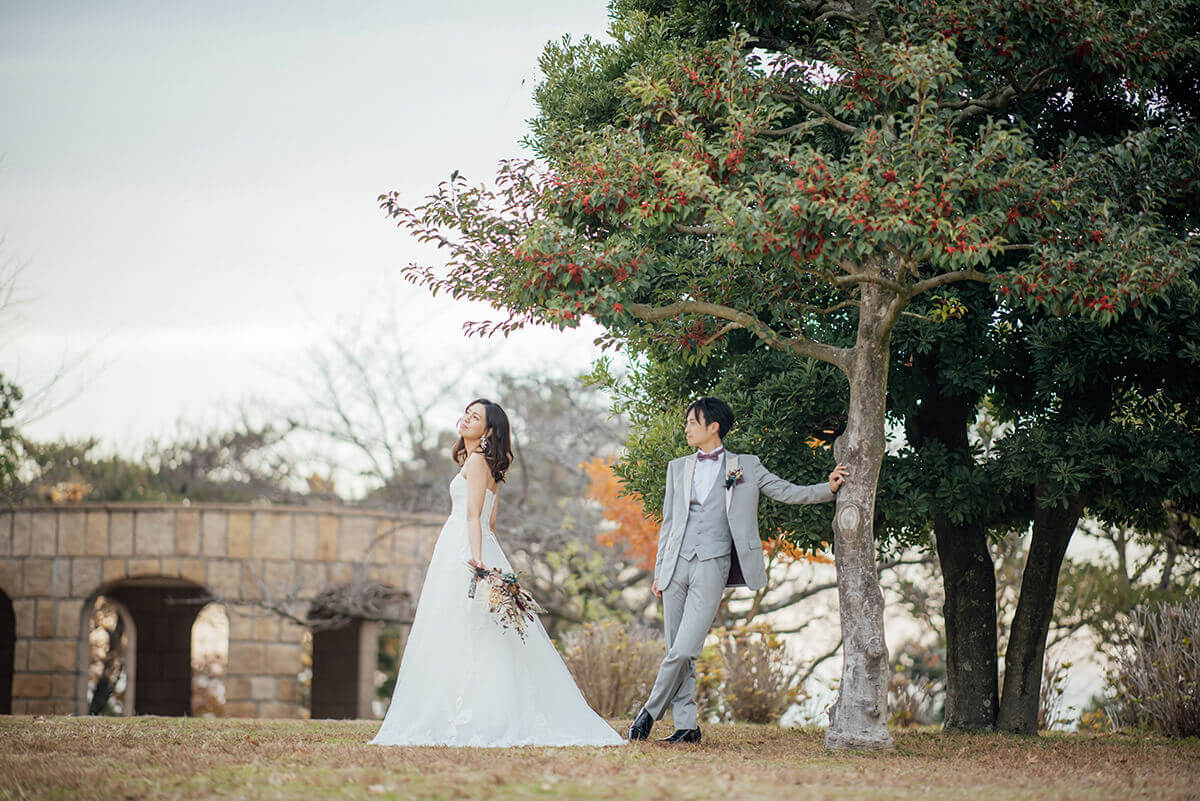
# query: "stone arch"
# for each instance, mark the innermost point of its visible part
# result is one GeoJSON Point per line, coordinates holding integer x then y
{"type": "Point", "coordinates": [210, 660]}
{"type": "Point", "coordinates": [88, 673]}
{"type": "Point", "coordinates": [162, 610]}
{"type": "Point", "coordinates": [8, 645]}
{"type": "Point", "coordinates": [343, 670]}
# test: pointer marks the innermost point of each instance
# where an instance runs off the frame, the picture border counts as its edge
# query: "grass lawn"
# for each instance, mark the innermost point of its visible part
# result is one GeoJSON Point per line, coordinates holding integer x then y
{"type": "Point", "coordinates": [113, 759]}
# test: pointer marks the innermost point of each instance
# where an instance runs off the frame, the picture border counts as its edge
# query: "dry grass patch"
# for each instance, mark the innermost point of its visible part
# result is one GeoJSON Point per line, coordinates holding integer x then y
{"type": "Point", "coordinates": [169, 758]}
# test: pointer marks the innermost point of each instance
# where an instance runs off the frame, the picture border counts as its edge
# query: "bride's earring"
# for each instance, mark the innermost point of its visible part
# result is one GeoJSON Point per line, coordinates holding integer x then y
{"type": "Point", "coordinates": [483, 443]}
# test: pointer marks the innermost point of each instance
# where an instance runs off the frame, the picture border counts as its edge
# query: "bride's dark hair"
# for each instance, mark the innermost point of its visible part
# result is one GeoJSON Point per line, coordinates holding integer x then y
{"type": "Point", "coordinates": [498, 452]}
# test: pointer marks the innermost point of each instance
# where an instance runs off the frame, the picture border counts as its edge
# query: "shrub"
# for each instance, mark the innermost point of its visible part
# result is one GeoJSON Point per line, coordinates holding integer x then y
{"type": "Point", "coordinates": [746, 677]}
{"type": "Point", "coordinates": [1158, 667]}
{"type": "Point", "coordinates": [909, 699]}
{"type": "Point", "coordinates": [1050, 697]}
{"type": "Point", "coordinates": [614, 664]}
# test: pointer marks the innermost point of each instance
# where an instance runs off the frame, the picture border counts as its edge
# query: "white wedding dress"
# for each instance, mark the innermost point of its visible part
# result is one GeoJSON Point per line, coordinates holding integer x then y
{"type": "Point", "coordinates": [466, 681]}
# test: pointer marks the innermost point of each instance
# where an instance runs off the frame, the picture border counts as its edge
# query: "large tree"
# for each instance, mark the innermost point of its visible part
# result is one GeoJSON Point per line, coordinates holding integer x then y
{"type": "Point", "coordinates": [760, 169]}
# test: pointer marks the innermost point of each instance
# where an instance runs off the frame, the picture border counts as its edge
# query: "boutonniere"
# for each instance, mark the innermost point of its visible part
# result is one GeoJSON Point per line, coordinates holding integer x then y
{"type": "Point", "coordinates": [734, 478]}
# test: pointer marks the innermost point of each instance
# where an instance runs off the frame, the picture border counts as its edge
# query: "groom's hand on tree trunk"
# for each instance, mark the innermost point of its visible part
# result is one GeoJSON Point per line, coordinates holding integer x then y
{"type": "Point", "coordinates": [838, 477]}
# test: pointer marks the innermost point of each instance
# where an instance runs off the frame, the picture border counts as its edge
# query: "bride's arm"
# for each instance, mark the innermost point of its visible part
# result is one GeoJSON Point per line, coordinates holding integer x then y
{"type": "Point", "coordinates": [475, 471]}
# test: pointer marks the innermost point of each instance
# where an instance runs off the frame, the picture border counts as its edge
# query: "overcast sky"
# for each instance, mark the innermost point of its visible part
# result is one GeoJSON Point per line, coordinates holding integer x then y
{"type": "Point", "coordinates": [192, 187]}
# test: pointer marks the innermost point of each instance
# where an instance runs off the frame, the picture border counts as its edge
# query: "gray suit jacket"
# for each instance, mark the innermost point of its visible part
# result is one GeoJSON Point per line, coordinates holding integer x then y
{"type": "Point", "coordinates": [741, 503]}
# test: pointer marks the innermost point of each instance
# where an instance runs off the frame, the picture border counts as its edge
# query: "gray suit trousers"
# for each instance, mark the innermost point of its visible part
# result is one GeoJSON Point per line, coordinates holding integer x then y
{"type": "Point", "coordinates": [690, 602]}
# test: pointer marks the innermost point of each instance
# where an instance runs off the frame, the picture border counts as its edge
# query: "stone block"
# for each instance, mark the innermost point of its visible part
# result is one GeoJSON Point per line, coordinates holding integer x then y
{"type": "Point", "coordinates": [327, 538]}
{"type": "Point", "coordinates": [44, 626]}
{"type": "Point", "coordinates": [388, 534]}
{"type": "Point", "coordinates": [72, 534]}
{"type": "Point", "coordinates": [10, 577]}
{"type": "Point", "coordinates": [45, 533]}
{"type": "Point", "coordinates": [25, 613]}
{"type": "Point", "coordinates": [241, 625]}
{"type": "Point", "coordinates": [187, 533]}
{"type": "Point", "coordinates": [238, 537]}
{"type": "Point", "coordinates": [6, 533]}
{"type": "Point", "coordinates": [304, 537]}
{"type": "Point", "coordinates": [154, 534]}
{"type": "Point", "coordinates": [224, 578]}
{"type": "Point", "coordinates": [247, 658]}
{"type": "Point", "coordinates": [272, 536]}
{"type": "Point", "coordinates": [237, 688]}
{"type": "Point", "coordinates": [39, 706]}
{"type": "Point", "coordinates": [283, 659]}
{"type": "Point", "coordinates": [266, 629]}
{"type": "Point", "coordinates": [393, 575]}
{"type": "Point", "coordinates": [39, 578]}
{"type": "Point", "coordinates": [250, 585]}
{"type": "Point", "coordinates": [50, 656]}
{"type": "Point", "coordinates": [22, 534]}
{"type": "Point", "coordinates": [21, 655]}
{"type": "Point", "coordinates": [62, 685]}
{"type": "Point", "coordinates": [86, 576]}
{"type": "Point", "coordinates": [145, 567]}
{"type": "Point", "coordinates": [30, 685]}
{"type": "Point", "coordinates": [357, 534]}
{"type": "Point", "coordinates": [289, 690]}
{"type": "Point", "coordinates": [169, 566]}
{"type": "Point", "coordinates": [120, 534]}
{"type": "Point", "coordinates": [214, 529]}
{"type": "Point", "coordinates": [280, 576]}
{"type": "Point", "coordinates": [68, 618]}
{"type": "Point", "coordinates": [341, 573]}
{"type": "Point", "coordinates": [277, 710]}
{"type": "Point", "coordinates": [60, 583]}
{"type": "Point", "coordinates": [115, 569]}
{"type": "Point", "coordinates": [97, 533]}
{"type": "Point", "coordinates": [263, 688]}
{"type": "Point", "coordinates": [290, 632]}
{"type": "Point", "coordinates": [240, 709]}
{"type": "Point", "coordinates": [310, 576]}
{"type": "Point", "coordinates": [194, 570]}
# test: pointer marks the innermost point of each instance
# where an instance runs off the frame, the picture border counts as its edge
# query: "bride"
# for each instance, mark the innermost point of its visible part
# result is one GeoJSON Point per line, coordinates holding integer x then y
{"type": "Point", "coordinates": [464, 680]}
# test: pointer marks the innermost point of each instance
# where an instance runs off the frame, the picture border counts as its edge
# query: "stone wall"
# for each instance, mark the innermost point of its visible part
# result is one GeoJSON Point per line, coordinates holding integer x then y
{"type": "Point", "coordinates": [55, 561]}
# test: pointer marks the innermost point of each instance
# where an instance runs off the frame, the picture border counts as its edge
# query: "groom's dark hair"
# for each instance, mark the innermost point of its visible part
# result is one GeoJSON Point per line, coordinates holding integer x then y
{"type": "Point", "coordinates": [713, 410]}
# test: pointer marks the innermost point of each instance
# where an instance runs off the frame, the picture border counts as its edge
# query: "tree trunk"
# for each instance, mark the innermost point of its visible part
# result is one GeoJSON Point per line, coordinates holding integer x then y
{"type": "Point", "coordinates": [1052, 530]}
{"type": "Point", "coordinates": [969, 582]}
{"type": "Point", "coordinates": [858, 719]}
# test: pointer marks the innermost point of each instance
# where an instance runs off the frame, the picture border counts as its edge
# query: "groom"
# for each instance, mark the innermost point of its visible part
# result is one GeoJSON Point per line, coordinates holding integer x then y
{"type": "Point", "coordinates": [708, 541]}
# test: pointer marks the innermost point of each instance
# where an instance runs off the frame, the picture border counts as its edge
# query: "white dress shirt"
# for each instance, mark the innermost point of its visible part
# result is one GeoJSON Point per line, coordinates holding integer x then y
{"type": "Point", "coordinates": [706, 474]}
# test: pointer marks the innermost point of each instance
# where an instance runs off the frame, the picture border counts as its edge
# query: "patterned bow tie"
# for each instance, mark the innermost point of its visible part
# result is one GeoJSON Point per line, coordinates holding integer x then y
{"type": "Point", "coordinates": [704, 457]}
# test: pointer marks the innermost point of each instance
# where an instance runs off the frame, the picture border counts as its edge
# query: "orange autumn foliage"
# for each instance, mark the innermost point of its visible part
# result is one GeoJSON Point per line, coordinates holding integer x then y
{"type": "Point", "coordinates": [638, 532]}
{"type": "Point", "coordinates": [635, 530]}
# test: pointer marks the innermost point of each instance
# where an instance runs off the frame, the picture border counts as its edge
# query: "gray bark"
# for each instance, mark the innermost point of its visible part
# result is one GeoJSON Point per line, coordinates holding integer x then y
{"type": "Point", "coordinates": [858, 719]}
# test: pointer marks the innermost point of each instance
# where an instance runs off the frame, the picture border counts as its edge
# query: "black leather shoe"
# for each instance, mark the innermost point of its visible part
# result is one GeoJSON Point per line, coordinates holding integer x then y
{"type": "Point", "coordinates": [640, 730]}
{"type": "Point", "coordinates": [683, 736]}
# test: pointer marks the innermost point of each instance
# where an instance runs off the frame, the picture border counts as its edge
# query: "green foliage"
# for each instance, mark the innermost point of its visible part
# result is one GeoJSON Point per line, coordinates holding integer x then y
{"type": "Point", "coordinates": [235, 466]}
{"type": "Point", "coordinates": [782, 403]}
{"type": "Point", "coordinates": [10, 396]}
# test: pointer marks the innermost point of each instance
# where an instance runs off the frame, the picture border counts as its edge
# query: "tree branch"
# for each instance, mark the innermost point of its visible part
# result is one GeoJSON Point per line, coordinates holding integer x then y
{"type": "Point", "coordinates": [699, 230]}
{"type": "Point", "coordinates": [868, 278]}
{"type": "Point", "coordinates": [969, 274]}
{"type": "Point", "coordinates": [791, 129]}
{"type": "Point", "coordinates": [804, 347]}
{"type": "Point", "coordinates": [826, 116]}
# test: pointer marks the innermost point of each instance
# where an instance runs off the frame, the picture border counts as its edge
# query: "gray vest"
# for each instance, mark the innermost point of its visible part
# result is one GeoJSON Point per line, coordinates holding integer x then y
{"type": "Point", "coordinates": [707, 534]}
